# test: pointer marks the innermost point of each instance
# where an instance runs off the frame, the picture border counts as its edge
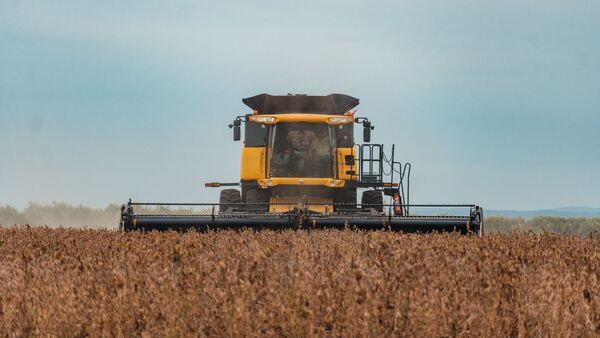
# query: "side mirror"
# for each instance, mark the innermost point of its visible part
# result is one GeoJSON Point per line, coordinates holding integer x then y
{"type": "Point", "coordinates": [349, 159]}
{"type": "Point", "coordinates": [367, 131]}
{"type": "Point", "coordinates": [237, 133]}
{"type": "Point", "coordinates": [237, 130]}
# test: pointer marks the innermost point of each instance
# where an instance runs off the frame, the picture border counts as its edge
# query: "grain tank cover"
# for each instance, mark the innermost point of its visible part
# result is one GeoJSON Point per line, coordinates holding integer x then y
{"type": "Point", "coordinates": [333, 104]}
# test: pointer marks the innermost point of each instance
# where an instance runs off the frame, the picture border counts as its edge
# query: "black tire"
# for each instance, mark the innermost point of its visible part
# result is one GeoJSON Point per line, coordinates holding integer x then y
{"type": "Point", "coordinates": [230, 198]}
{"type": "Point", "coordinates": [346, 197]}
{"type": "Point", "coordinates": [372, 199]}
{"type": "Point", "coordinates": [480, 231]}
{"type": "Point", "coordinates": [256, 199]}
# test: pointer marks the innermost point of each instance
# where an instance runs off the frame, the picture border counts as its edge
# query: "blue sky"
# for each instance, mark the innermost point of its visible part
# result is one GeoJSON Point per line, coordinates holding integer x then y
{"type": "Point", "coordinates": [495, 103]}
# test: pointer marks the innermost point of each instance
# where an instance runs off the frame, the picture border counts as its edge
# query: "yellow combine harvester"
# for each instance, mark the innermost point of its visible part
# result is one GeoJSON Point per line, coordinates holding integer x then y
{"type": "Point", "coordinates": [301, 168]}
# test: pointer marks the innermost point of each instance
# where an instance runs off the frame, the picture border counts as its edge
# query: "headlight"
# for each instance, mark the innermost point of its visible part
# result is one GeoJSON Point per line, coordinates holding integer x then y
{"type": "Point", "coordinates": [262, 119]}
{"type": "Point", "coordinates": [341, 120]}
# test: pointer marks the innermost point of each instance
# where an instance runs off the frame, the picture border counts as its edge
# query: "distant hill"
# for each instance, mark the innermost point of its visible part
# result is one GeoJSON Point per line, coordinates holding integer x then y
{"type": "Point", "coordinates": [559, 212]}
{"type": "Point", "coordinates": [564, 212]}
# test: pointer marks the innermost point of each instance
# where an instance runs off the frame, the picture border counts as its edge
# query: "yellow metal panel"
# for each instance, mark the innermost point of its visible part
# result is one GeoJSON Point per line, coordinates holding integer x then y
{"type": "Point", "coordinates": [310, 118]}
{"type": "Point", "coordinates": [253, 163]}
{"type": "Point", "coordinates": [275, 181]}
{"type": "Point", "coordinates": [292, 202]}
{"type": "Point", "coordinates": [341, 164]}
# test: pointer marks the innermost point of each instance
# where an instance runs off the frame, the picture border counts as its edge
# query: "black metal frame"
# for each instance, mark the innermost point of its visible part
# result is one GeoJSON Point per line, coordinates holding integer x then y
{"type": "Point", "coordinates": [370, 168]}
{"type": "Point", "coordinates": [372, 173]}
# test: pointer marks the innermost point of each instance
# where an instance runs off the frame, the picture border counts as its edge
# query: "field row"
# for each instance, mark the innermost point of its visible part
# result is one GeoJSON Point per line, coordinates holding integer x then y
{"type": "Point", "coordinates": [69, 282]}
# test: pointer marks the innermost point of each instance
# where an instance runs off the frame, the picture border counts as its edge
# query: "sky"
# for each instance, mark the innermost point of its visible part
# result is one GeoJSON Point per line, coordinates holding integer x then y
{"type": "Point", "coordinates": [493, 102]}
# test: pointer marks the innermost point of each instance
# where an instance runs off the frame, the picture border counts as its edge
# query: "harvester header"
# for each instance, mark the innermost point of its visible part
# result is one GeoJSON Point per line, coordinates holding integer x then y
{"type": "Point", "coordinates": [301, 167]}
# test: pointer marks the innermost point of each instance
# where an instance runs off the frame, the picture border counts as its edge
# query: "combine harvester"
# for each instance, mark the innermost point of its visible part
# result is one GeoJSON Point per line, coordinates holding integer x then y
{"type": "Point", "coordinates": [302, 169]}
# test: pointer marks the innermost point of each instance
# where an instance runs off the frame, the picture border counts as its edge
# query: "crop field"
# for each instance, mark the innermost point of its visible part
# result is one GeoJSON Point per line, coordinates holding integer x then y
{"type": "Point", "coordinates": [73, 282]}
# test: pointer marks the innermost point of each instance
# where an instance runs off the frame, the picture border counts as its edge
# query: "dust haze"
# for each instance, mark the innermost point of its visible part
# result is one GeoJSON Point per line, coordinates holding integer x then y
{"type": "Point", "coordinates": [70, 216]}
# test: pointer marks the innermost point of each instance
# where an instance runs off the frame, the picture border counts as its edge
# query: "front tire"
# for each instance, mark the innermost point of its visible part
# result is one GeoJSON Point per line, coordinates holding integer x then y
{"type": "Point", "coordinates": [346, 197]}
{"type": "Point", "coordinates": [257, 199]}
{"type": "Point", "coordinates": [229, 198]}
{"type": "Point", "coordinates": [372, 199]}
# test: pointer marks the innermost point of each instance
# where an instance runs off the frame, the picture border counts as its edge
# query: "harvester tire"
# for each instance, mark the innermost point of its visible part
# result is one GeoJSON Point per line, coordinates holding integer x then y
{"type": "Point", "coordinates": [256, 199]}
{"type": "Point", "coordinates": [230, 198]}
{"type": "Point", "coordinates": [346, 197]}
{"type": "Point", "coordinates": [372, 199]}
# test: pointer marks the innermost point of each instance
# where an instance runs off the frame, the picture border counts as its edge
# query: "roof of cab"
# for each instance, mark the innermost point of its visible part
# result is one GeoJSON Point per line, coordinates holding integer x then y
{"type": "Point", "coordinates": [332, 104]}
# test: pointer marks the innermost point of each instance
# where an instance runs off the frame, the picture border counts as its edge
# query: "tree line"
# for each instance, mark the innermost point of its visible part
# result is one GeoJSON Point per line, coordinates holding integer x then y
{"type": "Point", "coordinates": [62, 214]}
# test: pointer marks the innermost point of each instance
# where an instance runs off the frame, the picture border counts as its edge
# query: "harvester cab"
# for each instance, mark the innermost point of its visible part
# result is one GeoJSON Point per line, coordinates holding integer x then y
{"type": "Point", "coordinates": [301, 167]}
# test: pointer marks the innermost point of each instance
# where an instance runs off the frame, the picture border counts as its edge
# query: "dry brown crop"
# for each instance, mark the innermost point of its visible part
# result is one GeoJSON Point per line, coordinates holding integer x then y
{"type": "Point", "coordinates": [68, 282]}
